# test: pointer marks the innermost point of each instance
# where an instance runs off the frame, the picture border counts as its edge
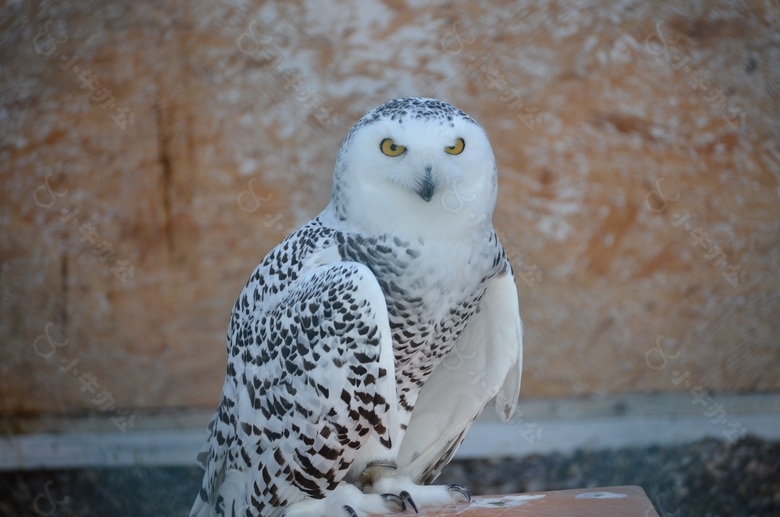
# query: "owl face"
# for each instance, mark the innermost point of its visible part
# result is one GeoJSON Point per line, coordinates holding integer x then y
{"type": "Point", "coordinates": [417, 156]}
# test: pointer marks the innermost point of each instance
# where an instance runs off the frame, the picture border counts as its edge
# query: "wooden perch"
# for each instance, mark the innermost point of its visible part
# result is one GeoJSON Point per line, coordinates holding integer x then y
{"type": "Point", "coordinates": [621, 501]}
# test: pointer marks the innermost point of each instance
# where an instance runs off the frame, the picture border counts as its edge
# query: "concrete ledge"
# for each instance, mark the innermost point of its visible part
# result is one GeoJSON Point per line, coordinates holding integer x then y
{"type": "Point", "coordinates": [564, 425]}
{"type": "Point", "coordinates": [173, 438]}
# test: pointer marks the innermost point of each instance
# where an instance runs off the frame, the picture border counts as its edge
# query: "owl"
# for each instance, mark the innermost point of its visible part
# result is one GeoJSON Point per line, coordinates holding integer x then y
{"type": "Point", "coordinates": [365, 344]}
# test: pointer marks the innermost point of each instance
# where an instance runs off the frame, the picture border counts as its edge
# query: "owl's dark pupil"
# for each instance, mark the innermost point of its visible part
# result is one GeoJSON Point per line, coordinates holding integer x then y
{"type": "Point", "coordinates": [393, 147]}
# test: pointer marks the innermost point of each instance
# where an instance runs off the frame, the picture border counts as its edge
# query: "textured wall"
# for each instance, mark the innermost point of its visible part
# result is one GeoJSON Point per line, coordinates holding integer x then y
{"type": "Point", "coordinates": [637, 145]}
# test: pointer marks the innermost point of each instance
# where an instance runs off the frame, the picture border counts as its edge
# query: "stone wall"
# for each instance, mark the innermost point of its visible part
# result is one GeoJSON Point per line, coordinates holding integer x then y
{"type": "Point", "coordinates": [151, 155]}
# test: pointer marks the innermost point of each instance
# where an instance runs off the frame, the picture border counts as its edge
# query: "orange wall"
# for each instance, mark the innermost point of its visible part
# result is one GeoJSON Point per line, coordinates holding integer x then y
{"type": "Point", "coordinates": [619, 103]}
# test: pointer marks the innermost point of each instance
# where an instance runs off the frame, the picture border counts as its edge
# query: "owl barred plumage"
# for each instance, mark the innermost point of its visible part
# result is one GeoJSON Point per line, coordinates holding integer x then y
{"type": "Point", "coordinates": [353, 347]}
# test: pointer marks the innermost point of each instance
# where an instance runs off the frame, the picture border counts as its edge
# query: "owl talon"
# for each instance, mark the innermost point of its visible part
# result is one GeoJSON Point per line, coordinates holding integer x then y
{"type": "Point", "coordinates": [392, 498]}
{"type": "Point", "coordinates": [461, 490]}
{"type": "Point", "coordinates": [406, 496]}
{"type": "Point", "coordinates": [350, 511]}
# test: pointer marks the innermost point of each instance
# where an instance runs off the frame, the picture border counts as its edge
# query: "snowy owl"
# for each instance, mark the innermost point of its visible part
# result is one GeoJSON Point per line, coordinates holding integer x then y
{"type": "Point", "coordinates": [364, 345]}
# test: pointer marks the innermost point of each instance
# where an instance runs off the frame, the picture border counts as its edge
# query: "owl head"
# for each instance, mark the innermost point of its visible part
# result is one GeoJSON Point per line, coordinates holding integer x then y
{"type": "Point", "coordinates": [416, 166]}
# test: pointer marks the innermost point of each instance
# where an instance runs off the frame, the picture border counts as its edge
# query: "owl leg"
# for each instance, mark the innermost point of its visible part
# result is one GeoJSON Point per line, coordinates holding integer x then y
{"type": "Point", "coordinates": [346, 501]}
{"type": "Point", "coordinates": [385, 479]}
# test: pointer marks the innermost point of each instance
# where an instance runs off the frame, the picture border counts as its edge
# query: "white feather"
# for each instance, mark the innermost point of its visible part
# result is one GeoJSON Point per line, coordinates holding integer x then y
{"type": "Point", "coordinates": [486, 361]}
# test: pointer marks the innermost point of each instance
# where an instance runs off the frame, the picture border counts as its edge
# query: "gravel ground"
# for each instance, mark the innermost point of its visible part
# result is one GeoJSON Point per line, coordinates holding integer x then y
{"type": "Point", "coordinates": [704, 478]}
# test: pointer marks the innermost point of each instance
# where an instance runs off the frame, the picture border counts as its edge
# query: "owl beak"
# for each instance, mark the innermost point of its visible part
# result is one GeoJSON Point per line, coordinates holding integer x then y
{"type": "Point", "coordinates": [426, 185]}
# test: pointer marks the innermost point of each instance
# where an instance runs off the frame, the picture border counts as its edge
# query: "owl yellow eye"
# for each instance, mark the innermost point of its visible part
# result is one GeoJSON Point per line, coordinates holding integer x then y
{"type": "Point", "coordinates": [390, 148]}
{"type": "Point", "coordinates": [456, 148]}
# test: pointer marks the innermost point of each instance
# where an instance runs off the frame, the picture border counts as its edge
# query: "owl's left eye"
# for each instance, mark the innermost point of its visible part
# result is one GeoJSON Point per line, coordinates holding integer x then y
{"type": "Point", "coordinates": [390, 148]}
{"type": "Point", "coordinates": [457, 147]}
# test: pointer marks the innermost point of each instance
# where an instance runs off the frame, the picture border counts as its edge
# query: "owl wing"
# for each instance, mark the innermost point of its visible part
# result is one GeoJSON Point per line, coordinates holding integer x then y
{"type": "Point", "coordinates": [486, 361]}
{"type": "Point", "coordinates": [316, 380]}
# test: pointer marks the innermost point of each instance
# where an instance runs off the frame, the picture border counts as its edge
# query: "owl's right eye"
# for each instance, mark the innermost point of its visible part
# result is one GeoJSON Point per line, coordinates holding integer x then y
{"type": "Point", "coordinates": [390, 148]}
